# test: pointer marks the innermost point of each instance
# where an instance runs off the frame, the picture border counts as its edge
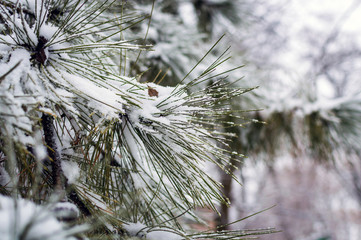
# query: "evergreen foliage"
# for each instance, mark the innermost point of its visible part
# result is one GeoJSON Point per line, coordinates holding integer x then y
{"type": "Point", "coordinates": [108, 156]}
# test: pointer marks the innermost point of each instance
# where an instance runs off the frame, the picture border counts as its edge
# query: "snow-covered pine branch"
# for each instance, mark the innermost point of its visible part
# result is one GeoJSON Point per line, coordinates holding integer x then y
{"type": "Point", "coordinates": [75, 128]}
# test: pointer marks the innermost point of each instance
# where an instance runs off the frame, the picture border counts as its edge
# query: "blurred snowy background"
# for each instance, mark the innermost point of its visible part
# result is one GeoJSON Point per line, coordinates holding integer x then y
{"type": "Point", "coordinates": [306, 58]}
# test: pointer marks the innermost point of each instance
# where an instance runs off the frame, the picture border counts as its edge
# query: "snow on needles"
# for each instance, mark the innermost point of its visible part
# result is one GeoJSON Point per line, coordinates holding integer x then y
{"type": "Point", "coordinates": [143, 136]}
{"type": "Point", "coordinates": [22, 219]}
{"type": "Point", "coordinates": [141, 230]}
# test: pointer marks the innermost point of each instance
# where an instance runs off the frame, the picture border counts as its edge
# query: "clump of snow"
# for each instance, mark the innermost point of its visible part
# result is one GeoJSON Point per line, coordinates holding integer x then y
{"type": "Point", "coordinates": [142, 231]}
{"type": "Point", "coordinates": [16, 124]}
{"type": "Point", "coordinates": [22, 219]}
{"type": "Point", "coordinates": [48, 31]}
{"type": "Point", "coordinates": [18, 55]}
{"type": "Point", "coordinates": [135, 229]}
{"type": "Point", "coordinates": [71, 171]}
{"type": "Point", "coordinates": [157, 109]}
{"type": "Point", "coordinates": [162, 234]}
{"type": "Point", "coordinates": [39, 148]}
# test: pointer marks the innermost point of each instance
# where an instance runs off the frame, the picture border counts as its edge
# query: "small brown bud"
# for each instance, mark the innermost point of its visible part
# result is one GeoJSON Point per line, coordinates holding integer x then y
{"type": "Point", "coordinates": [152, 92]}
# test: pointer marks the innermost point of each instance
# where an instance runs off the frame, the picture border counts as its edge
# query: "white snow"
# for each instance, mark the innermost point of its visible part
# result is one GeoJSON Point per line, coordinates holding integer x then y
{"type": "Point", "coordinates": [142, 231]}
{"type": "Point", "coordinates": [163, 234]}
{"type": "Point", "coordinates": [35, 6]}
{"type": "Point", "coordinates": [187, 13]}
{"type": "Point", "coordinates": [71, 171]}
{"type": "Point", "coordinates": [18, 55]}
{"type": "Point", "coordinates": [48, 31]}
{"type": "Point", "coordinates": [19, 216]}
{"type": "Point", "coordinates": [135, 229]}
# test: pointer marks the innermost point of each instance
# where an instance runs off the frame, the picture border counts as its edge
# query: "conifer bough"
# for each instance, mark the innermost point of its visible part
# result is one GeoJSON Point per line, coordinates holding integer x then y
{"type": "Point", "coordinates": [128, 155]}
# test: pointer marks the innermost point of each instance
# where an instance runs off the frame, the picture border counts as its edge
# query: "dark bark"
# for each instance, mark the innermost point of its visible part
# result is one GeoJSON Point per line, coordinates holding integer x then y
{"type": "Point", "coordinates": [53, 152]}
{"type": "Point", "coordinates": [58, 180]}
{"type": "Point", "coordinates": [226, 181]}
{"type": "Point", "coordinates": [73, 196]}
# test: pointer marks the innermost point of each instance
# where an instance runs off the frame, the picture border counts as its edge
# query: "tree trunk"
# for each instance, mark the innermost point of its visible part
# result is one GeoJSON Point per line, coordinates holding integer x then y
{"type": "Point", "coordinates": [280, 204]}
{"type": "Point", "coordinates": [226, 181]}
